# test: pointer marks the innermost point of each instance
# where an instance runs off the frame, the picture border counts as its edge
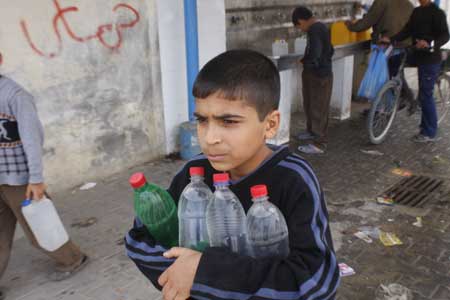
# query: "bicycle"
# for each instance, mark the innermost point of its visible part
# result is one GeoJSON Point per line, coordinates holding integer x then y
{"type": "Point", "coordinates": [385, 106]}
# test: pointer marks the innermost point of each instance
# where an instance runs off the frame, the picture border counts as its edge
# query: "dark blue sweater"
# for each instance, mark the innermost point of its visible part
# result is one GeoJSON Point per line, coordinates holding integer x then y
{"type": "Point", "coordinates": [309, 272]}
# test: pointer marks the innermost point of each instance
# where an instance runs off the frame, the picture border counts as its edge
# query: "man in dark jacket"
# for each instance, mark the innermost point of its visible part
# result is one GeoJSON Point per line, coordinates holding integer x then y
{"type": "Point", "coordinates": [429, 30]}
{"type": "Point", "coordinates": [317, 79]}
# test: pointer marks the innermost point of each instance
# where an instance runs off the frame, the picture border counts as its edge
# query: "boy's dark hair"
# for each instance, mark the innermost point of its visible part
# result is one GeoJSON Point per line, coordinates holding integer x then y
{"type": "Point", "coordinates": [244, 75]}
{"type": "Point", "coordinates": [301, 13]}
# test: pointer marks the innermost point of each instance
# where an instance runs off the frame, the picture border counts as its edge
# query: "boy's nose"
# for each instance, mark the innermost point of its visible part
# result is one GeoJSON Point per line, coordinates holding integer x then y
{"type": "Point", "coordinates": [212, 135]}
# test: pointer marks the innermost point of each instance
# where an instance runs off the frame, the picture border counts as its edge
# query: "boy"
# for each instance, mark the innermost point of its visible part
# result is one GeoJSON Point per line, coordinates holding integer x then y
{"type": "Point", "coordinates": [317, 79]}
{"type": "Point", "coordinates": [237, 95]}
{"type": "Point", "coordinates": [21, 139]}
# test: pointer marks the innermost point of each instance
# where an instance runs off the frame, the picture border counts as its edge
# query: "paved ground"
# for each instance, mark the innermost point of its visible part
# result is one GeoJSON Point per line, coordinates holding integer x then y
{"type": "Point", "coordinates": [351, 180]}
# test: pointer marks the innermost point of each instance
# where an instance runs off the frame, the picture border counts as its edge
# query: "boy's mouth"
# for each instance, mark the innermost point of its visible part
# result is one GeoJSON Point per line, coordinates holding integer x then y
{"type": "Point", "coordinates": [216, 157]}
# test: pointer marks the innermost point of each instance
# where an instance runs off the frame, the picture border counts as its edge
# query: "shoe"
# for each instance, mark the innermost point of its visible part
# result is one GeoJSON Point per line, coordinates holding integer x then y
{"type": "Point", "coordinates": [310, 149]}
{"type": "Point", "coordinates": [420, 138]}
{"type": "Point", "coordinates": [58, 275]}
{"type": "Point", "coordinates": [306, 135]}
{"type": "Point", "coordinates": [2, 295]}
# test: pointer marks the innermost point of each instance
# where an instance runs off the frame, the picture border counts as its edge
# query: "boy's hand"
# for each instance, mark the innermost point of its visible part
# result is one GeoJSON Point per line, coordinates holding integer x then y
{"type": "Point", "coordinates": [422, 44]}
{"type": "Point", "coordinates": [35, 190]}
{"type": "Point", "coordinates": [178, 279]}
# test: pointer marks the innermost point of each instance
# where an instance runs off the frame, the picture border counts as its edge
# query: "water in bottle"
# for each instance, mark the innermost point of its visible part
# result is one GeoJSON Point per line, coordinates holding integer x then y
{"type": "Point", "coordinates": [192, 206]}
{"type": "Point", "coordinates": [226, 218]}
{"type": "Point", "coordinates": [156, 209]}
{"type": "Point", "coordinates": [266, 226]}
{"type": "Point", "coordinates": [45, 223]}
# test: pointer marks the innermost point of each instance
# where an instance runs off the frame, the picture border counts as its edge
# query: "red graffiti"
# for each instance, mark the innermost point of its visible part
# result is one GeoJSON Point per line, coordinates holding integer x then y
{"type": "Point", "coordinates": [99, 34]}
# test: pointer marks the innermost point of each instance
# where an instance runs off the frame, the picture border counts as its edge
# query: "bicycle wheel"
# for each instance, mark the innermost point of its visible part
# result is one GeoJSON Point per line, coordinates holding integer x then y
{"type": "Point", "coordinates": [442, 96]}
{"type": "Point", "coordinates": [382, 112]}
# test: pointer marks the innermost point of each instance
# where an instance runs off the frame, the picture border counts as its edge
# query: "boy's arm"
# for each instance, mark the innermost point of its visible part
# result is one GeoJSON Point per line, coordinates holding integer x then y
{"type": "Point", "coordinates": [146, 253]}
{"type": "Point", "coordinates": [31, 134]}
{"type": "Point", "coordinates": [309, 272]}
{"type": "Point", "coordinates": [143, 249]}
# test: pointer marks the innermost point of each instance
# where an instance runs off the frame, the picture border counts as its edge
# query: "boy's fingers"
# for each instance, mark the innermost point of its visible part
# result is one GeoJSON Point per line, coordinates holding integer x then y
{"type": "Point", "coordinates": [28, 193]}
{"type": "Point", "coordinates": [182, 296]}
{"type": "Point", "coordinates": [173, 252]}
{"type": "Point", "coordinates": [169, 293]}
{"type": "Point", "coordinates": [162, 280]}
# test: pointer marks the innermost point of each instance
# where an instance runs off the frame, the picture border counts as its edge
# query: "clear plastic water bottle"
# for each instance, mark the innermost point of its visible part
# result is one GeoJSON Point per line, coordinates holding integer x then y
{"type": "Point", "coordinates": [266, 226]}
{"type": "Point", "coordinates": [45, 223]}
{"type": "Point", "coordinates": [192, 206]}
{"type": "Point", "coordinates": [156, 209]}
{"type": "Point", "coordinates": [226, 218]}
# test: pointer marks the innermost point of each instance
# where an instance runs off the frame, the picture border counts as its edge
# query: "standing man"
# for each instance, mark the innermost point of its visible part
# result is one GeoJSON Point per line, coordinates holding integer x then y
{"type": "Point", "coordinates": [428, 28]}
{"type": "Point", "coordinates": [21, 177]}
{"type": "Point", "coordinates": [388, 17]}
{"type": "Point", "coordinates": [317, 79]}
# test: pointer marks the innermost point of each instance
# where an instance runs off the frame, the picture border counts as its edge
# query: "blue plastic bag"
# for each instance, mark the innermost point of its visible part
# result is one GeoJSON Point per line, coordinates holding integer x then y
{"type": "Point", "coordinates": [377, 74]}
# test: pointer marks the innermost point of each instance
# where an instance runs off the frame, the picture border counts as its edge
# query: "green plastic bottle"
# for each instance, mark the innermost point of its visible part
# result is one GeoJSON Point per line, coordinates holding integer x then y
{"type": "Point", "coordinates": [156, 209]}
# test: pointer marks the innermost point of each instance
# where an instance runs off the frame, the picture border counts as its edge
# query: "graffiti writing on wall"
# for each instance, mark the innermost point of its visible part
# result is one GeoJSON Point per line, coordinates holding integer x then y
{"type": "Point", "coordinates": [60, 19]}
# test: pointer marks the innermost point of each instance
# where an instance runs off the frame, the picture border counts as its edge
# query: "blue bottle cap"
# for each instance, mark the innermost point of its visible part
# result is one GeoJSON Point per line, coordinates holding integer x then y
{"type": "Point", "coordinates": [26, 202]}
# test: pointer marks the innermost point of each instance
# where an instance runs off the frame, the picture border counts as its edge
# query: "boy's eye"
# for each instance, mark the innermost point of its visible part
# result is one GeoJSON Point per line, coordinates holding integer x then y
{"type": "Point", "coordinates": [230, 122]}
{"type": "Point", "coordinates": [200, 119]}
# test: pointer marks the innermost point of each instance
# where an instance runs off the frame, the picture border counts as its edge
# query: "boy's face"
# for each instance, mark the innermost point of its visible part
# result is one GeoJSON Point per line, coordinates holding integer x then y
{"type": "Point", "coordinates": [231, 134]}
{"type": "Point", "coordinates": [302, 25]}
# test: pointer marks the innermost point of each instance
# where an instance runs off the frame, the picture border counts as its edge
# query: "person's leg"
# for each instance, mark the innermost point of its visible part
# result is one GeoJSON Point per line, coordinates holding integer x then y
{"type": "Point", "coordinates": [68, 257]}
{"type": "Point", "coordinates": [427, 78]}
{"type": "Point", "coordinates": [320, 109]}
{"type": "Point", "coordinates": [306, 91]}
{"type": "Point", "coordinates": [7, 227]}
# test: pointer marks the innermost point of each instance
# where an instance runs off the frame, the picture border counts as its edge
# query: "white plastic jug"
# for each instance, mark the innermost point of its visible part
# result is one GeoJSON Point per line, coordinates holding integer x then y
{"type": "Point", "coordinates": [45, 223]}
{"type": "Point", "coordinates": [300, 45]}
{"type": "Point", "coordinates": [280, 47]}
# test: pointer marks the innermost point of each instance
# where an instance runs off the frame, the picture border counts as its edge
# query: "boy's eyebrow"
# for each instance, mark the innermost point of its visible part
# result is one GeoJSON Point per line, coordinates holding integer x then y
{"type": "Point", "coordinates": [228, 116]}
{"type": "Point", "coordinates": [197, 115]}
{"type": "Point", "coordinates": [220, 117]}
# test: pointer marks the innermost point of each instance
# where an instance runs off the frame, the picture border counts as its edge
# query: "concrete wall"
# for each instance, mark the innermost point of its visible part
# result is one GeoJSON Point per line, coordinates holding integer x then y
{"type": "Point", "coordinates": [94, 69]}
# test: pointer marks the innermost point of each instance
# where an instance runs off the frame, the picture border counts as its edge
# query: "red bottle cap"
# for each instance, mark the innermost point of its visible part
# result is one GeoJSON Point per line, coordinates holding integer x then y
{"type": "Point", "coordinates": [197, 171]}
{"type": "Point", "coordinates": [258, 191]}
{"type": "Point", "coordinates": [137, 180]}
{"type": "Point", "coordinates": [221, 177]}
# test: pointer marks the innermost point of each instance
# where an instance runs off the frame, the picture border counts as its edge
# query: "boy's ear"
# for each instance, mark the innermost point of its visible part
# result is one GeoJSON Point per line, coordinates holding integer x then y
{"type": "Point", "coordinates": [272, 124]}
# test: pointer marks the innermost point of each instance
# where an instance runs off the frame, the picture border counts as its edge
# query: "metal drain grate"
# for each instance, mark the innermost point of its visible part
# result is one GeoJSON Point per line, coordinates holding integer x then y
{"type": "Point", "coordinates": [414, 191]}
